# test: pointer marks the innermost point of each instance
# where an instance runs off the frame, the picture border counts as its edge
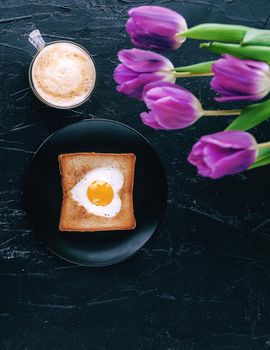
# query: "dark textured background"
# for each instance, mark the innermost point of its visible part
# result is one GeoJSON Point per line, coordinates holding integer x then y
{"type": "Point", "coordinates": [202, 283]}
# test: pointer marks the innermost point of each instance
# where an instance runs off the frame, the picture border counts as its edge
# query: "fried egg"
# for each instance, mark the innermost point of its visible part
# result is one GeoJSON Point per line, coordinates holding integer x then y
{"type": "Point", "coordinates": [98, 191]}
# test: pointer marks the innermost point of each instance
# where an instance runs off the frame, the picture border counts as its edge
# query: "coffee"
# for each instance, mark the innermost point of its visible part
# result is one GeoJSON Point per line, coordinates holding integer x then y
{"type": "Point", "coordinates": [63, 74]}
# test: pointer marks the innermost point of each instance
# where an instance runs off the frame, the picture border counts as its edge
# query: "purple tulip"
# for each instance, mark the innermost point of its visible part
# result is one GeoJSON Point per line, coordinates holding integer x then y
{"type": "Point", "coordinates": [171, 106]}
{"type": "Point", "coordinates": [224, 153]}
{"type": "Point", "coordinates": [138, 68]}
{"type": "Point", "coordinates": [238, 79]}
{"type": "Point", "coordinates": [155, 27]}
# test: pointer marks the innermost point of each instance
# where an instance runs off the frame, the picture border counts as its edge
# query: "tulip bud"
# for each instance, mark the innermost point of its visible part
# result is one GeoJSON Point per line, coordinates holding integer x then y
{"type": "Point", "coordinates": [238, 79]}
{"type": "Point", "coordinates": [140, 67]}
{"type": "Point", "coordinates": [155, 27]}
{"type": "Point", "coordinates": [171, 106]}
{"type": "Point", "coordinates": [224, 153]}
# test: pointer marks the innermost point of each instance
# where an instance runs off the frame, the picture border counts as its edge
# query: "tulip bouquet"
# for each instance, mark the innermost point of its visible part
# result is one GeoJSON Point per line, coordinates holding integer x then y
{"type": "Point", "coordinates": [241, 73]}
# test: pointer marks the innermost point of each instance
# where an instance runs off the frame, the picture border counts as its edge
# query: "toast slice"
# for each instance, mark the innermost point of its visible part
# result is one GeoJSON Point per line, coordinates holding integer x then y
{"type": "Point", "coordinates": [73, 167]}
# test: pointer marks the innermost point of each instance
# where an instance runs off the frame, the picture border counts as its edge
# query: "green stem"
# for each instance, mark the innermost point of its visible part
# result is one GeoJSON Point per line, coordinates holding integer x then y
{"type": "Point", "coordinates": [260, 161]}
{"type": "Point", "coordinates": [222, 112]}
{"type": "Point", "coordinates": [203, 67]}
{"type": "Point", "coordinates": [251, 116]}
{"type": "Point", "coordinates": [264, 145]}
{"type": "Point", "coordinates": [191, 75]}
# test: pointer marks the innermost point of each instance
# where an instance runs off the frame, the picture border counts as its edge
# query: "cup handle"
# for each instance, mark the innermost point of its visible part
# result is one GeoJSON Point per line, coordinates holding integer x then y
{"type": "Point", "coordinates": [36, 40]}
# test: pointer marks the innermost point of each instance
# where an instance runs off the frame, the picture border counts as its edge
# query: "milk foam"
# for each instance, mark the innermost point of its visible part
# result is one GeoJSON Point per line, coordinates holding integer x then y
{"type": "Point", "coordinates": [63, 74]}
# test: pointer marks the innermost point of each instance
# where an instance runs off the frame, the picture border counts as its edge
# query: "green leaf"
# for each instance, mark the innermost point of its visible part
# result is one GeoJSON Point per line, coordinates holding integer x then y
{"type": "Point", "coordinates": [204, 67]}
{"type": "Point", "coordinates": [217, 32]}
{"type": "Point", "coordinates": [257, 37]}
{"type": "Point", "coordinates": [251, 116]}
{"type": "Point", "coordinates": [259, 53]}
{"type": "Point", "coordinates": [263, 157]}
{"type": "Point", "coordinates": [263, 151]}
{"type": "Point", "coordinates": [261, 161]}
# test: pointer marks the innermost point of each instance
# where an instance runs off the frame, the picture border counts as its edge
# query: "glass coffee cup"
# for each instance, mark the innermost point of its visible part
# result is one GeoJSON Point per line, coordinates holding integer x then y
{"type": "Point", "coordinates": [62, 74]}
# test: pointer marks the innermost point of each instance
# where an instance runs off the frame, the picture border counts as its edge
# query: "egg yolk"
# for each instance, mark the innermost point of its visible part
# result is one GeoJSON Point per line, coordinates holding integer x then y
{"type": "Point", "coordinates": [100, 193]}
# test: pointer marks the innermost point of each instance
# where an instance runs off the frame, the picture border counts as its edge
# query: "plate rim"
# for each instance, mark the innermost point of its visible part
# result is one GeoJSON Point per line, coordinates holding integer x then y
{"type": "Point", "coordinates": [163, 208]}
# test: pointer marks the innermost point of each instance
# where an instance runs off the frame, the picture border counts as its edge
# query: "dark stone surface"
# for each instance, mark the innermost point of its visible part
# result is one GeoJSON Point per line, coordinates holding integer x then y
{"type": "Point", "coordinates": [202, 283]}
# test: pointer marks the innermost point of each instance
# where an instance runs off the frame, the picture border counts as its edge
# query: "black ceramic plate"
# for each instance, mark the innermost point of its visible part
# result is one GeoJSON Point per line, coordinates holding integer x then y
{"type": "Point", "coordinates": [43, 192]}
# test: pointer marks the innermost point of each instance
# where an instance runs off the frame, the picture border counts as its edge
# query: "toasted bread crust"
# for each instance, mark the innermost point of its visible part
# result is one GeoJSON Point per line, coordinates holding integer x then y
{"type": "Point", "coordinates": [73, 167]}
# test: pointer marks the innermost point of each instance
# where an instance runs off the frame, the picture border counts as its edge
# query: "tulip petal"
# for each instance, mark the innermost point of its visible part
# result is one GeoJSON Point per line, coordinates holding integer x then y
{"type": "Point", "coordinates": [159, 84]}
{"type": "Point", "coordinates": [223, 153]}
{"type": "Point", "coordinates": [239, 79]}
{"type": "Point", "coordinates": [146, 40]}
{"type": "Point", "coordinates": [238, 98]}
{"type": "Point", "coordinates": [156, 90]}
{"type": "Point", "coordinates": [251, 63]}
{"type": "Point", "coordinates": [173, 107]}
{"type": "Point", "coordinates": [230, 139]}
{"type": "Point", "coordinates": [213, 153]}
{"type": "Point", "coordinates": [144, 61]}
{"type": "Point", "coordinates": [132, 80]}
{"type": "Point", "coordinates": [149, 120]}
{"type": "Point", "coordinates": [157, 19]}
{"type": "Point", "coordinates": [196, 158]}
{"type": "Point", "coordinates": [171, 114]}
{"type": "Point", "coordinates": [154, 41]}
{"type": "Point", "coordinates": [122, 74]}
{"type": "Point", "coordinates": [155, 27]}
{"type": "Point", "coordinates": [134, 88]}
{"type": "Point", "coordinates": [233, 164]}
